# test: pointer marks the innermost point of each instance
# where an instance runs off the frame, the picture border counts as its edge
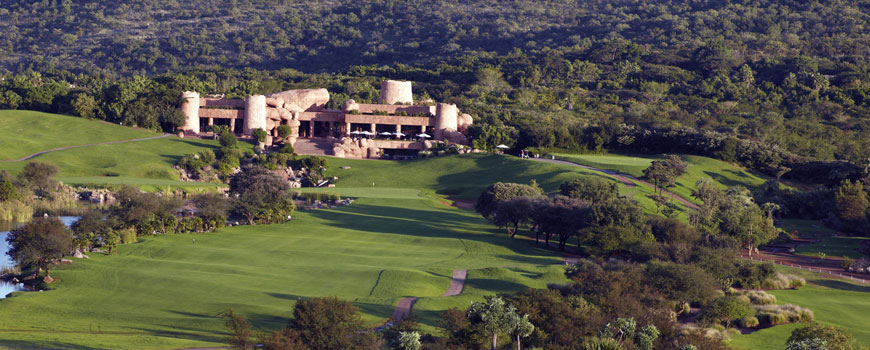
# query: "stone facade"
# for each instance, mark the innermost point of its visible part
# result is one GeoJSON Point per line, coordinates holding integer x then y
{"type": "Point", "coordinates": [294, 107]}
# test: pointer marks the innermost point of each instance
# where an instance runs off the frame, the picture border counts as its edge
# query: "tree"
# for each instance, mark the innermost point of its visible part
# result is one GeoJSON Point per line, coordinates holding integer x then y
{"type": "Point", "coordinates": [495, 315]}
{"type": "Point", "coordinates": [726, 309]}
{"type": "Point", "coordinates": [500, 191]}
{"type": "Point", "coordinates": [85, 106]}
{"type": "Point", "coordinates": [807, 344]}
{"type": "Point", "coordinates": [7, 189]}
{"type": "Point", "coordinates": [38, 175]}
{"type": "Point", "coordinates": [589, 188]}
{"type": "Point", "coordinates": [851, 203]}
{"type": "Point", "coordinates": [329, 324]}
{"type": "Point", "coordinates": [522, 328]}
{"type": "Point", "coordinates": [835, 338]}
{"type": "Point", "coordinates": [240, 331]}
{"type": "Point", "coordinates": [665, 172]}
{"type": "Point", "coordinates": [212, 206]}
{"type": "Point", "coordinates": [513, 212]}
{"type": "Point", "coordinates": [260, 195]}
{"type": "Point", "coordinates": [409, 341]}
{"type": "Point", "coordinates": [38, 243]}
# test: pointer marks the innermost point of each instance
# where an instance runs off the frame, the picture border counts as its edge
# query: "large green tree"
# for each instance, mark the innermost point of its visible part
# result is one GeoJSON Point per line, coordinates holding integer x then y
{"type": "Point", "coordinates": [38, 243]}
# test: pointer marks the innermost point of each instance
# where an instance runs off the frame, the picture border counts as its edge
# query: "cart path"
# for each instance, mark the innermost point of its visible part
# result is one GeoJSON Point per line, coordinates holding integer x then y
{"type": "Point", "coordinates": [625, 179]}
{"type": "Point", "coordinates": [456, 283]}
{"type": "Point", "coordinates": [85, 145]}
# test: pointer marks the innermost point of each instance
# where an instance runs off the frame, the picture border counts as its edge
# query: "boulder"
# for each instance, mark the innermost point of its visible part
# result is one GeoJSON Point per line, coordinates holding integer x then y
{"type": "Point", "coordinates": [303, 100]}
{"type": "Point", "coordinates": [350, 105]}
{"type": "Point", "coordinates": [464, 122]}
{"type": "Point", "coordinates": [274, 102]}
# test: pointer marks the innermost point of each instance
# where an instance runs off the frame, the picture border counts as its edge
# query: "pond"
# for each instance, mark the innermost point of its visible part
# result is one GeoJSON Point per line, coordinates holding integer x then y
{"type": "Point", "coordinates": [5, 226]}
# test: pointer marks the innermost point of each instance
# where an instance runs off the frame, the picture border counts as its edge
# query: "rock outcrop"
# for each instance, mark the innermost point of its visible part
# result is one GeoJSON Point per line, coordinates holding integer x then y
{"type": "Point", "coordinates": [349, 148]}
{"type": "Point", "coordinates": [304, 100]}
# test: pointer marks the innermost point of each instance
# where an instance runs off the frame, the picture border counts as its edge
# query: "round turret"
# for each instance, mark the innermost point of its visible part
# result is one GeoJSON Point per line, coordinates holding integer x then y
{"type": "Point", "coordinates": [255, 113]}
{"type": "Point", "coordinates": [446, 118]}
{"type": "Point", "coordinates": [190, 109]}
{"type": "Point", "coordinates": [393, 91]}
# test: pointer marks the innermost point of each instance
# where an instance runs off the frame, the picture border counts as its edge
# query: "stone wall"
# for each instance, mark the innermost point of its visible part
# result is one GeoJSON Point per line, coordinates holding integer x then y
{"type": "Point", "coordinates": [190, 109]}
{"type": "Point", "coordinates": [393, 91]}
{"type": "Point", "coordinates": [222, 102]}
{"type": "Point", "coordinates": [221, 113]}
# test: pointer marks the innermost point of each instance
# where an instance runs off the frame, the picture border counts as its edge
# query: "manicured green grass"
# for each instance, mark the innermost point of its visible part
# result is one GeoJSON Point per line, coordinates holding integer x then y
{"type": "Point", "coordinates": [833, 301]}
{"type": "Point", "coordinates": [834, 247]}
{"type": "Point", "coordinates": [28, 132]}
{"type": "Point", "coordinates": [166, 291]}
{"type": "Point", "coordinates": [725, 174]}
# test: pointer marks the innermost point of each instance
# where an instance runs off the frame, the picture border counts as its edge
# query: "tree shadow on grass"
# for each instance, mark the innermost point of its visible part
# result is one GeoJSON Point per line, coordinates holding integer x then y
{"type": "Point", "coordinates": [22, 344]}
{"type": "Point", "coordinates": [495, 285]}
{"type": "Point", "coordinates": [426, 223]}
{"type": "Point", "coordinates": [840, 285]}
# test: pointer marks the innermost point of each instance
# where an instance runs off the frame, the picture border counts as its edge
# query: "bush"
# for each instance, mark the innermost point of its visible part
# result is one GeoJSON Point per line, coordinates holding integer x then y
{"type": "Point", "coordinates": [781, 281]}
{"type": "Point", "coordinates": [847, 263]}
{"type": "Point", "coordinates": [284, 131]}
{"type": "Point", "coordinates": [227, 139]}
{"type": "Point", "coordinates": [779, 314]}
{"type": "Point", "coordinates": [128, 235]}
{"type": "Point", "coordinates": [748, 322]}
{"type": "Point", "coordinates": [259, 134]}
{"type": "Point", "coordinates": [758, 297]}
{"type": "Point", "coordinates": [287, 148]}
{"type": "Point", "coordinates": [725, 310]}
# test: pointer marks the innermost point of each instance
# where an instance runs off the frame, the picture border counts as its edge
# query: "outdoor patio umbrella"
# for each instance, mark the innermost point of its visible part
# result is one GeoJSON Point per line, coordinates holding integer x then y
{"type": "Point", "coordinates": [386, 133]}
{"type": "Point", "coordinates": [354, 132]}
{"type": "Point", "coordinates": [426, 136]}
{"type": "Point", "coordinates": [502, 147]}
{"type": "Point", "coordinates": [398, 134]}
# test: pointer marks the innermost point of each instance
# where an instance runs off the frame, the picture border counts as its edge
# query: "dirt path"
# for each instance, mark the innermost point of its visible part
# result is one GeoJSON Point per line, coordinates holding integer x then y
{"type": "Point", "coordinates": [625, 179]}
{"type": "Point", "coordinates": [456, 283]}
{"type": "Point", "coordinates": [86, 145]}
{"type": "Point", "coordinates": [403, 308]}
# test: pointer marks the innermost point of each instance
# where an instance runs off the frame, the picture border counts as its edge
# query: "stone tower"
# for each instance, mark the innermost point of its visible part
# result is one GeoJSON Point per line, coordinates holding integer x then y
{"type": "Point", "coordinates": [255, 113]}
{"type": "Point", "coordinates": [190, 109]}
{"type": "Point", "coordinates": [446, 118]}
{"type": "Point", "coordinates": [393, 91]}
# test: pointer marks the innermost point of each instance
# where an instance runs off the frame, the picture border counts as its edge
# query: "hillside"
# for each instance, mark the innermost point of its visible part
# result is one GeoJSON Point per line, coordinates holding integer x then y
{"type": "Point", "coordinates": [147, 164]}
{"type": "Point", "coordinates": [27, 132]}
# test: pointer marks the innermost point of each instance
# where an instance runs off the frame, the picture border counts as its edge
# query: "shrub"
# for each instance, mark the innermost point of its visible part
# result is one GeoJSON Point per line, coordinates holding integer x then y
{"type": "Point", "coordinates": [128, 235]}
{"type": "Point", "coordinates": [781, 281]}
{"type": "Point", "coordinates": [847, 263]}
{"type": "Point", "coordinates": [759, 297]}
{"type": "Point", "coordinates": [778, 314]}
{"type": "Point", "coordinates": [284, 131]}
{"type": "Point", "coordinates": [228, 139]}
{"type": "Point", "coordinates": [748, 322]}
{"type": "Point", "coordinates": [725, 310]}
{"type": "Point", "coordinates": [287, 148]}
{"type": "Point", "coordinates": [836, 338]}
{"type": "Point", "coordinates": [259, 134]}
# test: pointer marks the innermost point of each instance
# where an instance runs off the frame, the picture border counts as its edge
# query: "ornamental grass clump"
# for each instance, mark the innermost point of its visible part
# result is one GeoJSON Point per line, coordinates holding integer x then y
{"type": "Point", "coordinates": [778, 314]}
{"type": "Point", "coordinates": [781, 281]}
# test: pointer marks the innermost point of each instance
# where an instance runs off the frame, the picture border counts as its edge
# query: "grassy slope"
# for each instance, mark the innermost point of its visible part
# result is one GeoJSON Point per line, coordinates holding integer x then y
{"type": "Point", "coordinates": [834, 302]}
{"type": "Point", "coordinates": [146, 164]}
{"type": "Point", "coordinates": [392, 242]}
{"type": "Point", "coordinates": [28, 132]}
{"type": "Point", "coordinates": [699, 168]}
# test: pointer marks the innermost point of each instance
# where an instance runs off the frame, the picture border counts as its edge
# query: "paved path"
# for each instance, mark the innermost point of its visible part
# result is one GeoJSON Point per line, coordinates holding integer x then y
{"type": "Point", "coordinates": [86, 145]}
{"type": "Point", "coordinates": [403, 308]}
{"type": "Point", "coordinates": [625, 179]}
{"type": "Point", "coordinates": [827, 266]}
{"type": "Point", "coordinates": [456, 283]}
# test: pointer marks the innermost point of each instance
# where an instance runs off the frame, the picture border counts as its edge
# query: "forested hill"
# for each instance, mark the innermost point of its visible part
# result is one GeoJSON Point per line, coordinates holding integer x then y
{"type": "Point", "coordinates": [329, 35]}
{"type": "Point", "coordinates": [755, 82]}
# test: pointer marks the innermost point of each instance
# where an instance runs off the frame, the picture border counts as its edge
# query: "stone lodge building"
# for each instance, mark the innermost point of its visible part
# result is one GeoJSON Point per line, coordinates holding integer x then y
{"type": "Point", "coordinates": [317, 130]}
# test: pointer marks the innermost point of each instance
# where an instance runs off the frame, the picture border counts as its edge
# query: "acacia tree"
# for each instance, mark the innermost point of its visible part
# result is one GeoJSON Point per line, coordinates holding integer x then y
{"type": "Point", "coordinates": [500, 191]}
{"type": "Point", "coordinates": [664, 172]}
{"type": "Point", "coordinates": [260, 195]}
{"type": "Point", "coordinates": [513, 212]}
{"type": "Point", "coordinates": [38, 243]}
{"type": "Point", "coordinates": [38, 176]}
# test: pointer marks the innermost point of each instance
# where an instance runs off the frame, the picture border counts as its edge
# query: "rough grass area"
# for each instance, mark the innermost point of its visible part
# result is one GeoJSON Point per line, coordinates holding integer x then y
{"type": "Point", "coordinates": [699, 167]}
{"type": "Point", "coordinates": [833, 301]}
{"type": "Point", "coordinates": [165, 292]}
{"type": "Point", "coordinates": [28, 132]}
